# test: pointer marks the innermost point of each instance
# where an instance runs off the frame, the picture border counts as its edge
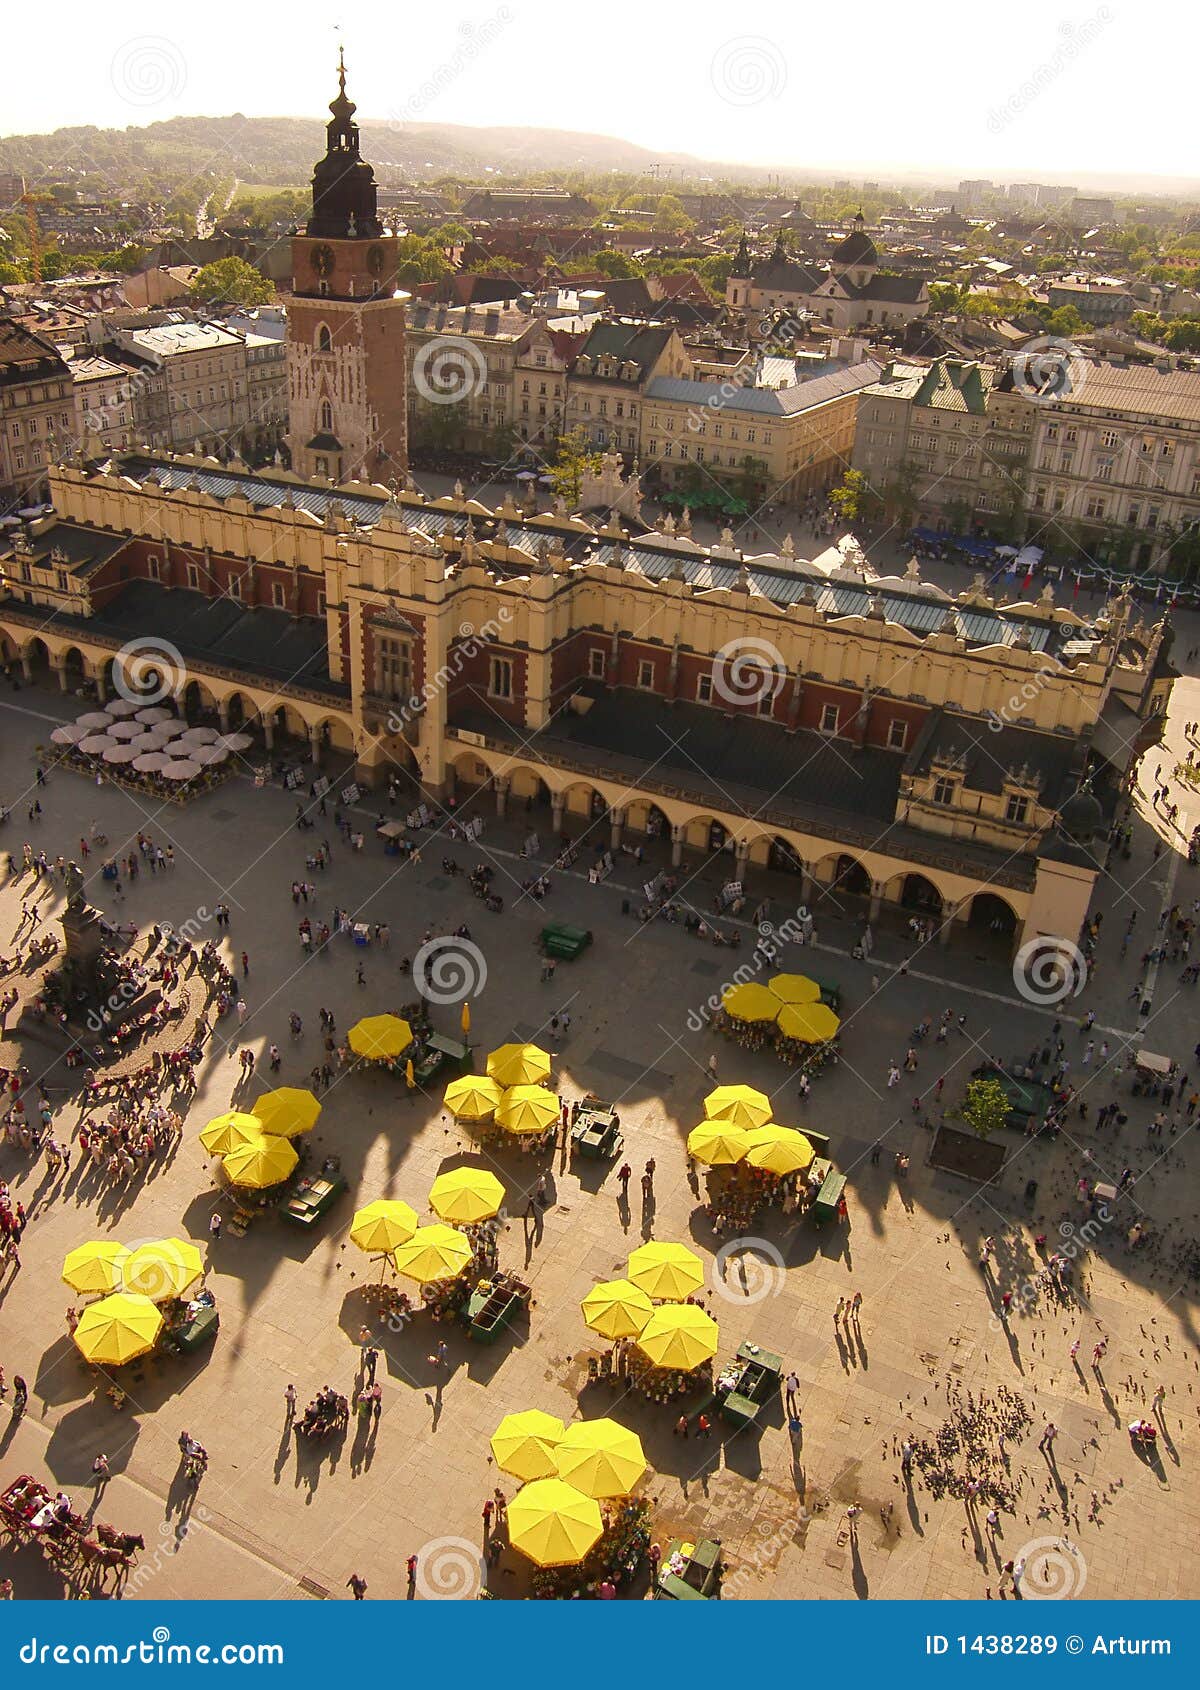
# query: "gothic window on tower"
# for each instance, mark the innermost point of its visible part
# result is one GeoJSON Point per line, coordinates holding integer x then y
{"type": "Point", "coordinates": [326, 417]}
{"type": "Point", "coordinates": [324, 339]}
{"type": "Point", "coordinates": [393, 667]}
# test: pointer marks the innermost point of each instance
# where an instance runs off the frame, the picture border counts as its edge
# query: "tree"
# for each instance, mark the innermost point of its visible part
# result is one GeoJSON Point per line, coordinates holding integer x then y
{"type": "Point", "coordinates": [618, 266]}
{"type": "Point", "coordinates": [441, 427]}
{"type": "Point", "coordinates": [231, 281]}
{"type": "Point", "coordinates": [670, 218]}
{"type": "Point", "coordinates": [1183, 335]}
{"type": "Point", "coordinates": [853, 496]}
{"type": "Point", "coordinates": [1065, 322]}
{"type": "Point", "coordinates": [900, 494]}
{"type": "Point", "coordinates": [573, 459]}
{"type": "Point", "coordinates": [985, 1107]}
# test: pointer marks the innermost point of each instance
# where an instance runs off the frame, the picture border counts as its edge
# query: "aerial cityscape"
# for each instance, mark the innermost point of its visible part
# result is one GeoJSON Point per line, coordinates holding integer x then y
{"type": "Point", "coordinates": [600, 809]}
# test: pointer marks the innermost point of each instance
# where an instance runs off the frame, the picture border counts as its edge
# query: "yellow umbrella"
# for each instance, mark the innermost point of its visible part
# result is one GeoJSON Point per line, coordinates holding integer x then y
{"type": "Point", "coordinates": [473, 1097]}
{"type": "Point", "coordinates": [600, 1457]}
{"type": "Point", "coordinates": [287, 1111]}
{"type": "Point", "coordinates": [680, 1335]}
{"type": "Point", "coordinates": [163, 1269]}
{"type": "Point", "coordinates": [527, 1109]}
{"type": "Point", "coordinates": [433, 1252]}
{"type": "Point", "coordinates": [383, 1225]}
{"type": "Point", "coordinates": [464, 1019]}
{"type": "Point", "coordinates": [742, 1105]}
{"type": "Point", "coordinates": [95, 1266]}
{"type": "Point", "coordinates": [717, 1143]}
{"type": "Point", "coordinates": [260, 1163]}
{"type": "Point", "coordinates": [750, 1002]}
{"type": "Point", "coordinates": [117, 1329]}
{"type": "Point", "coordinates": [553, 1523]}
{"type": "Point", "coordinates": [519, 1065]}
{"type": "Point", "coordinates": [617, 1309]}
{"type": "Point", "coordinates": [230, 1131]}
{"type": "Point", "coordinates": [379, 1036]}
{"type": "Point", "coordinates": [795, 988]}
{"type": "Point", "coordinates": [523, 1444]}
{"type": "Point", "coordinates": [811, 1022]}
{"type": "Point", "coordinates": [466, 1196]}
{"type": "Point", "coordinates": [780, 1150]}
{"type": "Point", "coordinates": [668, 1271]}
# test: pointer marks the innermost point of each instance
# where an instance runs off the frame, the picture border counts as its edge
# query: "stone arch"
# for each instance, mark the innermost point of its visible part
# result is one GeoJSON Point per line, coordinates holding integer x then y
{"type": "Point", "coordinates": [584, 802]}
{"type": "Point", "coordinates": [916, 892]}
{"type": "Point", "coordinates": [35, 656]}
{"type": "Point", "coordinates": [994, 915]}
{"type": "Point", "coordinates": [843, 874]}
{"type": "Point", "coordinates": [74, 668]}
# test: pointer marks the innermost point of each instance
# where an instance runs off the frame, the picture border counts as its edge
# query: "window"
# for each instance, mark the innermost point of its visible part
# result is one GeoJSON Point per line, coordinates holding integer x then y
{"type": "Point", "coordinates": [645, 678]}
{"type": "Point", "coordinates": [393, 667]}
{"type": "Point", "coordinates": [943, 790]}
{"type": "Point", "coordinates": [829, 718]}
{"type": "Point", "coordinates": [326, 417]}
{"type": "Point", "coordinates": [766, 704]}
{"type": "Point", "coordinates": [321, 604]}
{"type": "Point", "coordinates": [152, 567]}
{"type": "Point", "coordinates": [1017, 809]}
{"type": "Point", "coordinates": [193, 577]}
{"type": "Point", "coordinates": [235, 587]}
{"type": "Point", "coordinates": [704, 688]}
{"type": "Point", "coordinates": [1094, 508]}
{"type": "Point", "coordinates": [500, 680]}
{"type": "Point", "coordinates": [278, 596]}
{"type": "Point", "coordinates": [596, 661]}
{"type": "Point", "coordinates": [897, 734]}
{"type": "Point", "coordinates": [322, 466]}
{"type": "Point", "coordinates": [1109, 438]}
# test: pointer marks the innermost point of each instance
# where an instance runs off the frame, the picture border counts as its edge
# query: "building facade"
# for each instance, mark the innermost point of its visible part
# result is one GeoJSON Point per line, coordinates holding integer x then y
{"type": "Point", "coordinates": [886, 744]}
{"type": "Point", "coordinates": [849, 292]}
{"type": "Point", "coordinates": [37, 412]}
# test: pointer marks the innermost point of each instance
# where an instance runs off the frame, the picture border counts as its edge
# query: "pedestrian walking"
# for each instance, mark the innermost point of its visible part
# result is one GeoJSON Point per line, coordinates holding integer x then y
{"type": "Point", "coordinates": [357, 1585]}
{"type": "Point", "coordinates": [214, 1227]}
{"type": "Point", "coordinates": [289, 1397]}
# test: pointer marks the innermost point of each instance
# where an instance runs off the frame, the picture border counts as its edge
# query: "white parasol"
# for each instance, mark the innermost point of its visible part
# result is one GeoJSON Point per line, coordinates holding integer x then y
{"type": "Point", "coordinates": [208, 755]}
{"type": "Point", "coordinates": [96, 743]}
{"type": "Point", "coordinates": [183, 769]}
{"type": "Point", "coordinates": [236, 742]}
{"type": "Point", "coordinates": [118, 707]}
{"type": "Point", "coordinates": [71, 734]}
{"type": "Point", "coordinates": [150, 762]}
{"type": "Point", "coordinates": [119, 754]}
{"type": "Point", "coordinates": [200, 736]}
{"type": "Point", "coordinates": [126, 730]}
{"type": "Point", "coordinates": [155, 714]}
{"type": "Point", "coordinates": [94, 719]}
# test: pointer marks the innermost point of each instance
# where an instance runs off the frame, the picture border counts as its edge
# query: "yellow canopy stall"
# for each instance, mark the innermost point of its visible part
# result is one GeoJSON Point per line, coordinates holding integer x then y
{"type": "Point", "coordinates": [524, 1444]}
{"type": "Point", "coordinates": [553, 1523]}
{"type": "Point", "coordinates": [118, 1329]}
{"type": "Point", "coordinates": [379, 1037]}
{"type": "Point", "coordinates": [742, 1105]}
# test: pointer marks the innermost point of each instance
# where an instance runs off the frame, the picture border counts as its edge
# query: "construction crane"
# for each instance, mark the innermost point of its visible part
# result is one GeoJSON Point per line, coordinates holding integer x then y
{"type": "Point", "coordinates": [35, 239]}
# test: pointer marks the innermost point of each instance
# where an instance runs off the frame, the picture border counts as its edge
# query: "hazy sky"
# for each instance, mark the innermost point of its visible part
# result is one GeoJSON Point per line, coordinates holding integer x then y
{"type": "Point", "coordinates": [1030, 88]}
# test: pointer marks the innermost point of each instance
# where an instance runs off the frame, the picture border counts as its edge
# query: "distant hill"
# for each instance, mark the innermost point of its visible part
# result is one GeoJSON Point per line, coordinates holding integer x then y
{"type": "Point", "coordinates": [281, 151]}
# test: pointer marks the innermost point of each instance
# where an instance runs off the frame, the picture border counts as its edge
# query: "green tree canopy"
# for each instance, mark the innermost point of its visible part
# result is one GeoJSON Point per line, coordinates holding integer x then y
{"type": "Point", "coordinates": [231, 281]}
{"type": "Point", "coordinates": [985, 1107]}
{"type": "Point", "coordinates": [573, 459]}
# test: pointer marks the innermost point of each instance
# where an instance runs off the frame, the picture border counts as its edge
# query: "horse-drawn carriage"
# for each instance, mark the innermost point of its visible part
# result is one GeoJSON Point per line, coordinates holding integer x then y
{"type": "Point", "coordinates": [30, 1513]}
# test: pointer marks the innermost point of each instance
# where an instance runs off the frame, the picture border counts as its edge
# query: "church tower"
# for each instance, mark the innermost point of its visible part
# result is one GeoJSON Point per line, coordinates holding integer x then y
{"type": "Point", "coordinates": [347, 375]}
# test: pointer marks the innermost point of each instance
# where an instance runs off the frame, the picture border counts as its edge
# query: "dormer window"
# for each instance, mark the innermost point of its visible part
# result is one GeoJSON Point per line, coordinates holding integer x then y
{"type": "Point", "coordinates": [943, 789]}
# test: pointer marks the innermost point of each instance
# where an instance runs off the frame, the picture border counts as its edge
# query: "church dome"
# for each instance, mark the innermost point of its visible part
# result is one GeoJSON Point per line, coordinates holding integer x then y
{"type": "Point", "coordinates": [1082, 816]}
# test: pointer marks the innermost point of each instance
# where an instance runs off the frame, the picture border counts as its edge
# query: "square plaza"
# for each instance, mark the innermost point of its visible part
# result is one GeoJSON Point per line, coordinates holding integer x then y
{"type": "Point", "coordinates": [927, 1361]}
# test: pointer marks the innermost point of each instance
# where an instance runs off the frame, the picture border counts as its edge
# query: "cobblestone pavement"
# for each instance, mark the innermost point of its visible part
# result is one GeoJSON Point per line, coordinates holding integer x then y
{"type": "Point", "coordinates": [928, 1361]}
